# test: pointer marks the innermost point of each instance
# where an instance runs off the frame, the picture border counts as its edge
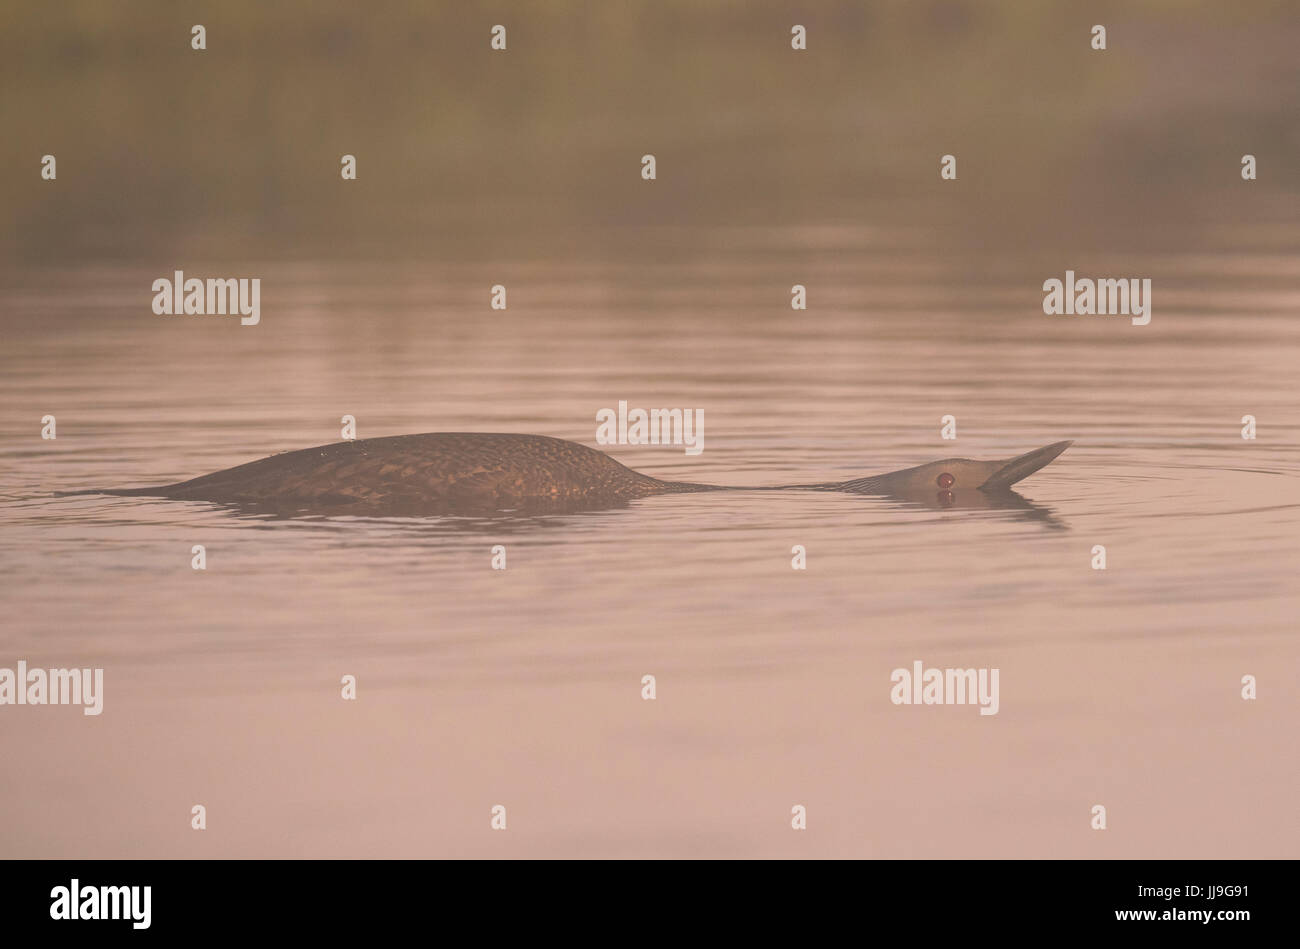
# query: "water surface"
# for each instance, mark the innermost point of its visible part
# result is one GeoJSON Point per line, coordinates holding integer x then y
{"type": "Point", "coordinates": [522, 687]}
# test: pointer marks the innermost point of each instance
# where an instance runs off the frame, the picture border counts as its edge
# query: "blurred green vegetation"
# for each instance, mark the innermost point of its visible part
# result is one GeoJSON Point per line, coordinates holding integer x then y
{"type": "Point", "coordinates": [235, 149]}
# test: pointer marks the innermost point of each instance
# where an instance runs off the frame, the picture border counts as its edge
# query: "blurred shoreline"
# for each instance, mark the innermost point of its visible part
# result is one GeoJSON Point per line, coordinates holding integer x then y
{"type": "Point", "coordinates": [164, 151]}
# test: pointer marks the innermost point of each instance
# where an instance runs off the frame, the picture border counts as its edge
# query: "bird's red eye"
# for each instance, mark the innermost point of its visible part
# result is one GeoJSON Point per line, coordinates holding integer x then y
{"type": "Point", "coordinates": [945, 480]}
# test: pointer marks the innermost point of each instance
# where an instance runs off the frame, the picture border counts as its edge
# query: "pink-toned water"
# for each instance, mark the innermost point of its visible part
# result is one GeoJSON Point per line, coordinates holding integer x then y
{"type": "Point", "coordinates": [821, 167]}
{"type": "Point", "coordinates": [522, 687]}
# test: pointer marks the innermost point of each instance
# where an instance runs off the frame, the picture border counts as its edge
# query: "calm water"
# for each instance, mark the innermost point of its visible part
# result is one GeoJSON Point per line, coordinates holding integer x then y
{"type": "Point", "coordinates": [522, 687]}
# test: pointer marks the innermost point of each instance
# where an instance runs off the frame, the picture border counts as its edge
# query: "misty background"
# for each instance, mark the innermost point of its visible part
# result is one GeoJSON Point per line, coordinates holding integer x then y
{"type": "Point", "coordinates": [234, 151]}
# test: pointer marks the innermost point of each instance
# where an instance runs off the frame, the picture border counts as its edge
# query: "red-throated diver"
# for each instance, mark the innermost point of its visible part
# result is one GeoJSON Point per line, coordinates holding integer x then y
{"type": "Point", "coordinates": [491, 471]}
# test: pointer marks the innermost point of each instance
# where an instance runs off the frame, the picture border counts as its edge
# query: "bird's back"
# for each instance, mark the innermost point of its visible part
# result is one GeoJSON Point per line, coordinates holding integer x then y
{"type": "Point", "coordinates": [476, 468]}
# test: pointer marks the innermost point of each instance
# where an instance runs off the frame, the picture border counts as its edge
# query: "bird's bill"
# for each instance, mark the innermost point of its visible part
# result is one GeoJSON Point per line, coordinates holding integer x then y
{"type": "Point", "coordinates": [1023, 466]}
